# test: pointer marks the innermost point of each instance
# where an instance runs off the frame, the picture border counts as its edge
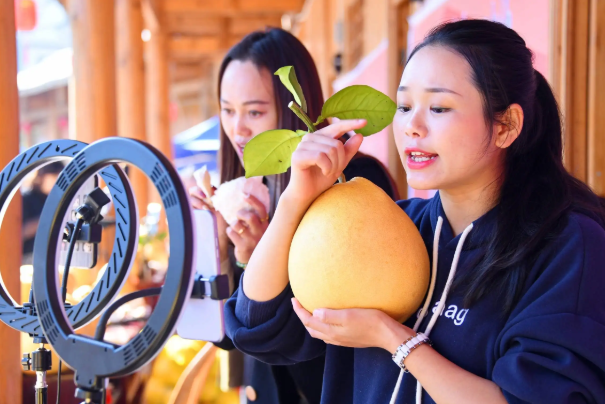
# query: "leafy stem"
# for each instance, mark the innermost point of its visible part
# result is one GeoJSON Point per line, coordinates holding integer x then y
{"type": "Point", "coordinates": [301, 114]}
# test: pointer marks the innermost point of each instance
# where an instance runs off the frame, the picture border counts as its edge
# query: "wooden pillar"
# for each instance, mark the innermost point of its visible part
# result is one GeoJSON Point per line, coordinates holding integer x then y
{"type": "Point", "coordinates": [130, 75]}
{"type": "Point", "coordinates": [596, 98]}
{"type": "Point", "coordinates": [10, 252]}
{"type": "Point", "coordinates": [158, 104]}
{"type": "Point", "coordinates": [92, 23]}
{"type": "Point", "coordinates": [397, 34]}
{"type": "Point", "coordinates": [570, 78]}
{"type": "Point", "coordinates": [578, 54]}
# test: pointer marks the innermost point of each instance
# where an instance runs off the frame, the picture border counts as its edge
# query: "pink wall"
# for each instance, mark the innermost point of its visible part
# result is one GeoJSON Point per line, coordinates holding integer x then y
{"type": "Point", "coordinates": [530, 18]}
{"type": "Point", "coordinates": [371, 71]}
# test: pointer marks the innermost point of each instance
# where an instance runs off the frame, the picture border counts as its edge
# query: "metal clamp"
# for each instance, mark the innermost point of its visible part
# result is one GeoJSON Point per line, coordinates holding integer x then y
{"type": "Point", "coordinates": [216, 288]}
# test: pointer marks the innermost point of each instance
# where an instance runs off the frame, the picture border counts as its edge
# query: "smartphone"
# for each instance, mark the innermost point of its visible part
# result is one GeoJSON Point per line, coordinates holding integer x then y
{"type": "Point", "coordinates": [85, 254]}
{"type": "Point", "coordinates": [203, 319]}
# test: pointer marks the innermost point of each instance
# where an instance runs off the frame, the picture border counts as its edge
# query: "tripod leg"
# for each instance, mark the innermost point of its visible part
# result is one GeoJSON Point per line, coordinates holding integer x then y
{"type": "Point", "coordinates": [41, 388]}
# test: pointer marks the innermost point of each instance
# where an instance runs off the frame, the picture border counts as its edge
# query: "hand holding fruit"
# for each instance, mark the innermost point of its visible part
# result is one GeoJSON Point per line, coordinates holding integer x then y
{"type": "Point", "coordinates": [246, 226]}
{"type": "Point", "coordinates": [246, 231]}
{"type": "Point", "coordinates": [354, 328]}
{"type": "Point", "coordinates": [320, 158]}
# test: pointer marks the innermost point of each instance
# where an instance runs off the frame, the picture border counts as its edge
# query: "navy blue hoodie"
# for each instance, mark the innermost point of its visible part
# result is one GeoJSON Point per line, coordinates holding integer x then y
{"type": "Point", "coordinates": [550, 349]}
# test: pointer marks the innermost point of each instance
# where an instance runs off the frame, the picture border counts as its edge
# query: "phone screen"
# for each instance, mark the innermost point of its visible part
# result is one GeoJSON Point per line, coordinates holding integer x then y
{"type": "Point", "coordinates": [85, 254]}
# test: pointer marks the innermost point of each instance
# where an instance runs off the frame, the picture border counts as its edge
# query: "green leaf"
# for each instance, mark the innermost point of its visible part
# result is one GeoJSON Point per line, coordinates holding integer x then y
{"type": "Point", "coordinates": [271, 152]}
{"type": "Point", "coordinates": [287, 75]}
{"type": "Point", "coordinates": [301, 133]}
{"type": "Point", "coordinates": [320, 119]}
{"type": "Point", "coordinates": [361, 102]}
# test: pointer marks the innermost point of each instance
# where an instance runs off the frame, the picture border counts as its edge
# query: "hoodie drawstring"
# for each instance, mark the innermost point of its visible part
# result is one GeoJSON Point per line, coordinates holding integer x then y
{"type": "Point", "coordinates": [444, 294]}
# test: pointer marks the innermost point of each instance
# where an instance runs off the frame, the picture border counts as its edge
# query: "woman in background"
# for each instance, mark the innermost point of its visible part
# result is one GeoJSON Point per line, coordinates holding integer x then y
{"type": "Point", "coordinates": [253, 100]}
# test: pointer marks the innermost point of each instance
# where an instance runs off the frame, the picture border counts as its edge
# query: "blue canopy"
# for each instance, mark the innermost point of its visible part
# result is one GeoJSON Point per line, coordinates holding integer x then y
{"type": "Point", "coordinates": [198, 145]}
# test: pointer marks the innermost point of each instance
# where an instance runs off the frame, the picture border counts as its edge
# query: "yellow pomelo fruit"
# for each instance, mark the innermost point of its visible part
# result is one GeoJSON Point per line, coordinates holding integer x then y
{"type": "Point", "coordinates": [355, 248]}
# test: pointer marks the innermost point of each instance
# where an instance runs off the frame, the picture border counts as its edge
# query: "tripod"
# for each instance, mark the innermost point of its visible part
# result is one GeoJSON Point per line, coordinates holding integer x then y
{"type": "Point", "coordinates": [41, 362]}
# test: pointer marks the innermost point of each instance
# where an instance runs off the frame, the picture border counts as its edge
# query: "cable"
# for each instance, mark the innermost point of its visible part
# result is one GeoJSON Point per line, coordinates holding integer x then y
{"type": "Point", "coordinates": [59, 383]}
{"type": "Point", "coordinates": [102, 325]}
{"type": "Point", "coordinates": [70, 252]}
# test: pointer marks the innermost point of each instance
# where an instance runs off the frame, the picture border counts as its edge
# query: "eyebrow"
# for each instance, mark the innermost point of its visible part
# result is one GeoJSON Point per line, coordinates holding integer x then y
{"type": "Point", "coordinates": [431, 90]}
{"type": "Point", "coordinates": [249, 102]}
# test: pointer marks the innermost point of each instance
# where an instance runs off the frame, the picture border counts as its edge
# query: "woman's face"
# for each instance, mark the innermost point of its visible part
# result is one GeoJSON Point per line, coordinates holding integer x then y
{"type": "Point", "coordinates": [439, 128]}
{"type": "Point", "coordinates": [247, 103]}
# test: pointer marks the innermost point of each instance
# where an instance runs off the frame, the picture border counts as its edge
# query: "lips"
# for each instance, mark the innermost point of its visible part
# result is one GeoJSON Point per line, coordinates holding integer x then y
{"type": "Point", "coordinates": [240, 148]}
{"type": "Point", "coordinates": [418, 159]}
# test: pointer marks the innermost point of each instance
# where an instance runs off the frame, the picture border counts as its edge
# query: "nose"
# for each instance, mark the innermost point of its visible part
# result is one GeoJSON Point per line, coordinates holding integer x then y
{"type": "Point", "coordinates": [241, 129]}
{"type": "Point", "coordinates": [415, 126]}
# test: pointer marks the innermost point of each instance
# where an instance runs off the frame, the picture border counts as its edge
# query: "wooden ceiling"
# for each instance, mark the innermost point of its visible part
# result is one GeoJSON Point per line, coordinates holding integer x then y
{"type": "Point", "coordinates": [199, 31]}
{"type": "Point", "coordinates": [198, 28]}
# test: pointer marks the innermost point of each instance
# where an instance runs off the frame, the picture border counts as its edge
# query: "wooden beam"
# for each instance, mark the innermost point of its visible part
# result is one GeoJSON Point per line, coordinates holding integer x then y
{"type": "Point", "coordinates": [197, 48]}
{"type": "Point", "coordinates": [156, 85]}
{"type": "Point", "coordinates": [183, 71]}
{"type": "Point", "coordinates": [241, 26]}
{"type": "Point", "coordinates": [596, 98]}
{"type": "Point", "coordinates": [10, 252]}
{"type": "Point", "coordinates": [571, 80]}
{"type": "Point", "coordinates": [193, 24]}
{"type": "Point", "coordinates": [151, 16]}
{"type": "Point", "coordinates": [397, 34]}
{"type": "Point", "coordinates": [191, 45]}
{"type": "Point", "coordinates": [228, 7]}
{"type": "Point", "coordinates": [131, 86]}
{"type": "Point", "coordinates": [92, 25]}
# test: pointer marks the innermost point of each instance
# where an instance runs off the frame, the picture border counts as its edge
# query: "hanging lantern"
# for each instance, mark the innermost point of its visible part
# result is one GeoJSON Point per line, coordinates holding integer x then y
{"type": "Point", "coordinates": [25, 15]}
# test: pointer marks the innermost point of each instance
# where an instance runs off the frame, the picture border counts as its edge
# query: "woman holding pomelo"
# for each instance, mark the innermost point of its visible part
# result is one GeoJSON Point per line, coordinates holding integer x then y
{"type": "Point", "coordinates": [516, 241]}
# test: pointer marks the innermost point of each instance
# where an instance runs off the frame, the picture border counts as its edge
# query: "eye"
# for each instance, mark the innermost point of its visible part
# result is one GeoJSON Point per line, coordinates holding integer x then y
{"type": "Point", "coordinates": [227, 111]}
{"type": "Point", "coordinates": [403, 108]}
{"type": "Point", "coordinates": [439, 110]}
{"type": "Point", "coordinates": [255, 114]}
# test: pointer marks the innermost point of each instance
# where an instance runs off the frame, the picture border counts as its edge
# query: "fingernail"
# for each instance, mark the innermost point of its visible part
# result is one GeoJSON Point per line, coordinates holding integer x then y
{"type": "Point", "coordinates": [247, 196]}
{"type": "Point", "coordinates": [361, 120]}
{"type": "Point", "coordinates": [319, 313]}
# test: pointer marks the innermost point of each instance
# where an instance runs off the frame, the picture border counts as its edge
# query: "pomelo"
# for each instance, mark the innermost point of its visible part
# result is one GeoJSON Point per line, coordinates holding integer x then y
{"type": "Point", "coordinates": [355, 248]}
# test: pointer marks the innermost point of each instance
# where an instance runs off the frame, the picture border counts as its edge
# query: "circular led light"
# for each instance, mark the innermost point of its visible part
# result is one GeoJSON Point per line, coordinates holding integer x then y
{"type": "Point", "coordinates": [92, 359]}
{"type": "Point", "coordinates": [25, 319]}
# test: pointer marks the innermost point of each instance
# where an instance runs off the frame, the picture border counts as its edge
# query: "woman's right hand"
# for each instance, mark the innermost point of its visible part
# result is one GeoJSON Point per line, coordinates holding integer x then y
{"type": "Point", "coordinates": [320, 158]}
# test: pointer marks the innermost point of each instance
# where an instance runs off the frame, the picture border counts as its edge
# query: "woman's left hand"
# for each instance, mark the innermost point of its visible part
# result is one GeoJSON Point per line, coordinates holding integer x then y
{"type": "Point", "coordinates": [247, 231]}
{"type": "Point", "coordinates": [355, 328]}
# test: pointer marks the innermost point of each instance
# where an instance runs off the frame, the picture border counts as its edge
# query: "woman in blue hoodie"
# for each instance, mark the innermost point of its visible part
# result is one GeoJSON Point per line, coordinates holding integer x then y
{"type": "Point", "coordinates": [515, 310]}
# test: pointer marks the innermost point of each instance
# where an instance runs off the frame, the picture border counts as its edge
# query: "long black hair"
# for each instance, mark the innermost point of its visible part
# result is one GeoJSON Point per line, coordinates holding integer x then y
{"type": "Point", "coordinates": [272, 49]}
{"type": "Point", "coordinates": [537, 192]}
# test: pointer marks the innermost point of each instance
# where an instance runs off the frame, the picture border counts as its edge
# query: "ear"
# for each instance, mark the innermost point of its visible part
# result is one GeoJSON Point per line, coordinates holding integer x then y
{"type": "Point", "coordinates": [509, 127]}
